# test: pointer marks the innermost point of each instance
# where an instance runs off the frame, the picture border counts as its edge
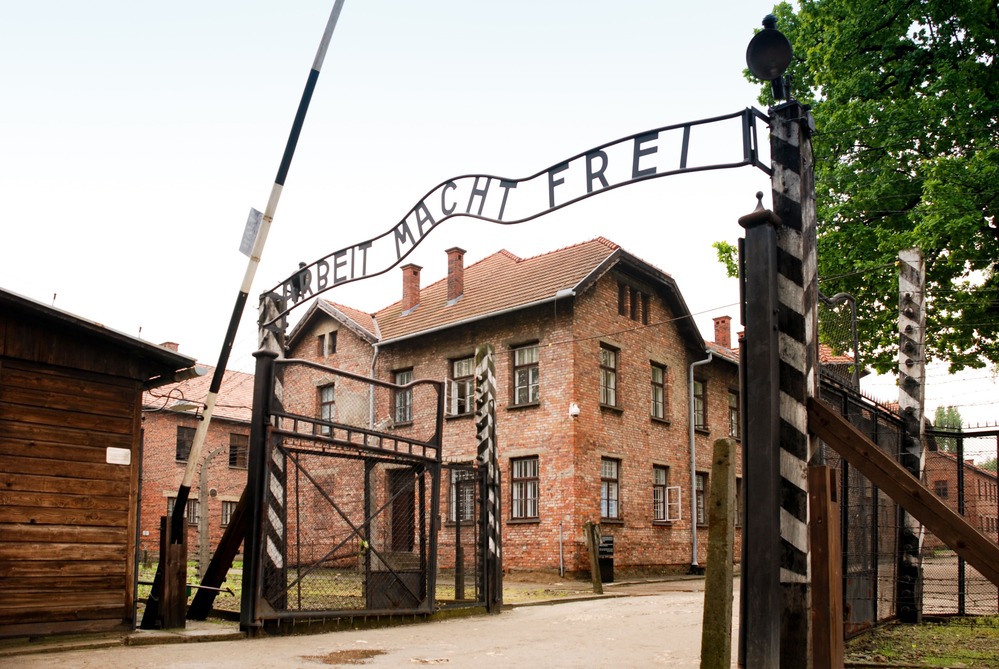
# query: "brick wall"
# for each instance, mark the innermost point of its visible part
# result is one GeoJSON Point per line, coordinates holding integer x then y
{"type": "Point", "coordinates": [162, 475]}
{"type": "Point", "coordinates": [569, 334]}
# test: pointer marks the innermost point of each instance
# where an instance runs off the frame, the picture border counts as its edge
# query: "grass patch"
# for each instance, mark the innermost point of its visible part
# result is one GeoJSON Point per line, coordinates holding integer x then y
{"type": "Point", "coordinates": [971, 643]}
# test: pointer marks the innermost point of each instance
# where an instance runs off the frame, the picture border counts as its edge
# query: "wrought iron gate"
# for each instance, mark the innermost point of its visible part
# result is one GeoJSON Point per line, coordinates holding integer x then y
{"type": "Point", "coordinates": [347, 472]}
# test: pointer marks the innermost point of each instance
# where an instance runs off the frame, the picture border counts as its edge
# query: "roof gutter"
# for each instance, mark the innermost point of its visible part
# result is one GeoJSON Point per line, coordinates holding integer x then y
{"type": "Point", "coordinates": [693, 463]}
{"type": "Point", "coordinates": [561, 294]}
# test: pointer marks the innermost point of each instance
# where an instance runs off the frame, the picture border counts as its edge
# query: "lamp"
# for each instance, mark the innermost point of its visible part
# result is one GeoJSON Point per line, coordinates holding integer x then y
{"type": "Point", "coordinates": [573, 409]}
{"type": "Point", "coordinates": [768, 55]}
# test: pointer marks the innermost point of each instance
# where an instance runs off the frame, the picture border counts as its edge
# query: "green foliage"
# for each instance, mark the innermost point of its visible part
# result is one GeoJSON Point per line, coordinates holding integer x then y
{"type": "Point", "coordinates": [947, 418]}
{"type": "Point", "coordinates": [728, 255]}
{"type": "Point", "coordinates": [988, 465]}
{"type": "Point", "coordinates": [905, 97]}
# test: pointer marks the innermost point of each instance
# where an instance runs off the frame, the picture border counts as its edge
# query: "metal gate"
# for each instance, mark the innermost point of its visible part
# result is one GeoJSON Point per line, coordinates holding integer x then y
{"type": "Point", "coordinates": [347, 474]}
{"type": "Point", "coordinates": [460, 565]}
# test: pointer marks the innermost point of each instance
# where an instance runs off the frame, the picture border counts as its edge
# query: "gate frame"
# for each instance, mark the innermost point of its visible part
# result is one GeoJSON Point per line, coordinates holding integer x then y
{"type": "Point", "coordinates": [263, 430]}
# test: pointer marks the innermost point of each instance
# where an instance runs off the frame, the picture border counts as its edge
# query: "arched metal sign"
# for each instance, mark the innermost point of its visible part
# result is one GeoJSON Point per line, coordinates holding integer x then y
{"type": "Point", "coordinates": [646, 155]}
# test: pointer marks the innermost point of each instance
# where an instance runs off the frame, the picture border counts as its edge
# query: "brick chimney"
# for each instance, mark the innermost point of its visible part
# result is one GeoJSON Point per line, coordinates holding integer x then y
{"type": "Point", "coordinates": [410, 287]}
{"type": "Point", "coordinates": [172, 345]}
{"type": "Point", "coordinates": [455, 274]}
{"type": "Point", "coordinates": [723, 331]}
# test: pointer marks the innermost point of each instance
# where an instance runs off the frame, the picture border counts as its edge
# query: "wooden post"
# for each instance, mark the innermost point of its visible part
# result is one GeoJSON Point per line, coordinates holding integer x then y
{"type": "Point", "coordinates": [716, 631]}
{"type": "Point", "coordinates": [173, 555]}
{"type": "Point", "coordinates": [760, 603]}
{"type": "Point", "coordinates": [827, 569]}
{"type": "Point", "coordinates": [221, 561]}
{"type": "Point", "coordinates": [592, 532]}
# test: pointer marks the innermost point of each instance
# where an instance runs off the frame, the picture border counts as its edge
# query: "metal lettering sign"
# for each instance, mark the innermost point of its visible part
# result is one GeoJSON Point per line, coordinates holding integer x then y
{"type": "Point", "coordinates": [646, 155]}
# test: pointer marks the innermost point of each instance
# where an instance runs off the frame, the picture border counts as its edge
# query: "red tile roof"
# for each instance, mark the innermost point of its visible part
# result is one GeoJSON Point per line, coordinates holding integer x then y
{"type": "Point", "coordinates": [829, 357]}
{"type": "Point", "coordinates": [234, 401]}
{"type": "Point", "coordinates": [498, 282]}
{"type": "Point", "coordinates": [503, 282]}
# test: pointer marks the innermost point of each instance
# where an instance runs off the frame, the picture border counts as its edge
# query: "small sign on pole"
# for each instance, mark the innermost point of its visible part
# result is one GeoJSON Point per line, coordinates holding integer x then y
{"type": "Point", "coordinates": [250, 232]}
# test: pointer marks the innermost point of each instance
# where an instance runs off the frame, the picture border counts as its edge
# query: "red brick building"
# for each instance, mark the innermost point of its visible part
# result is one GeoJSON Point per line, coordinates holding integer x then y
{"type": "Point", "coordinates": [981, 504]}
{"type": "Point", "coordinates": [595, 350]}
{"type": "Point", "coordinates": [169, 420]}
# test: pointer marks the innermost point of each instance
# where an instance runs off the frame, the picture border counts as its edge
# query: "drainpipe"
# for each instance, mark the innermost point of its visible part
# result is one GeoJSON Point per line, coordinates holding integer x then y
{"type": "Point", "coordinates": [693, 463]}
{"type": "Point", "coordinates": [371, 389]}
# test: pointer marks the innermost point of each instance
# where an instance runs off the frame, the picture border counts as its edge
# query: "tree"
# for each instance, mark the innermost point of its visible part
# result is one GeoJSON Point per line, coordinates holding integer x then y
{"type": "Point", "coordinates": [988, 465]}
{"type": "Point", "coordinates": [905, 96]}
{"type": "Point", "coordinates": [947, 418]}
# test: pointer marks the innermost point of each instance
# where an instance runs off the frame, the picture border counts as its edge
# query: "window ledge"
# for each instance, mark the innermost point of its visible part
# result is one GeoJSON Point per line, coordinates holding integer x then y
{"type": "Point", "coordinates": [407, 423]}
{"type": "Point", "coordinates": [457, 416]}
{"type": "Point", "coordinates": [523, 521]}
{"type": "Point", "coordinates": [612, 408]}
{"type": "Point", "coordinates": [454, 523]}
{"type": "Point", "coordinates": [660, 421]}
{"type": "Point", "coordinates": [702, 430]}
{"type": "Point", "coordinates": [612, 521]}
{"type": "Point", "coordinates": [663, 523]}
{"type": "Point", "coordinates": [511, 407]}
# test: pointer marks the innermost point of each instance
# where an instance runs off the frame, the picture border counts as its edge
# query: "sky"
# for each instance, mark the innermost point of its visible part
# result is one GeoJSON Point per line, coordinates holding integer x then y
{"type": "Point", "coordinates": [135, 138]}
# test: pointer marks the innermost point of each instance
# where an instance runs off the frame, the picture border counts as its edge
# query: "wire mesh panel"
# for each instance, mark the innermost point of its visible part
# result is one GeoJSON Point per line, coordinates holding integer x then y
{"type": "Point", "coordinates": [869, 519]}
{"type": "Point", "coordinates": [459, 577]}
{"type": "Point", "coordinates": [960, 470]}
{"type": "Point", "coordinates": [350, 485]}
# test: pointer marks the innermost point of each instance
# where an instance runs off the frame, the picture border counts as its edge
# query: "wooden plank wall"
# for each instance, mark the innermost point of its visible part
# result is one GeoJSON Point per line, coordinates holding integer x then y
{"type": "Point", "coordinates": [67, 517]}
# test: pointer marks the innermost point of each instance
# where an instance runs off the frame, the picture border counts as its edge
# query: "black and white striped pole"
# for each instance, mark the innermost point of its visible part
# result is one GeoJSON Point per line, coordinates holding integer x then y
{"type": "Point", "coordinates": [485, 426]}
{"type": "Point", "coordinates": [782, 348]}
{"type": "Point", "coordinates": [151, 614]}
{"type": "Point", "coordinates": [911, 393]}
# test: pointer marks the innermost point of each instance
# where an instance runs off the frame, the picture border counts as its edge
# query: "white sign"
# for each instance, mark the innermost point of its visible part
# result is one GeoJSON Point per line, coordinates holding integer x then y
{"type": "Point", "coordinates": [119, 456]}
{"type": "Point", "coordinates": [250, 232]}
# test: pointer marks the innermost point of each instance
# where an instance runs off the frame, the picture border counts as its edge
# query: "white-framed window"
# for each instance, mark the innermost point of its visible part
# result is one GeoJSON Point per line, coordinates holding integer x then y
{"type": "Point", "coordinates": [659, 378]}
{"type": "Point", "coordinates": [665, 498]}
{"type": "Point", "coordinates": [701, 491]}
{"type": "Point", "coordinates": [403, 399]}
{"type": "Point", "coordinates": [524, 487]}
{"type": "Point", "coordinates": [462, 498]}
{"type": "Point", "coordinates": [526, 375]}
{"type": "Point", "coordinates": [228, 508]}
{"type": "Point", "coordinates": [327, 407]}
{"type": "Point", "coordinates": [461, 387]}
{"type": "Point", "coordinates": [610, 488]}
{"type": "Point", "coordinates": [192, 512]}
{"type": "Point", "coordinates": [608, 375]}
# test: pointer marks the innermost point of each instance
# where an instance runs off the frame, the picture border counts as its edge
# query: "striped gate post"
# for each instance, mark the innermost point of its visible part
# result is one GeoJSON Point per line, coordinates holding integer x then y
{"type": "Point", "coordinates": [263, 545]}
{"type": "Point", "coordinates": [911, 392]}
{"type": "Point", "coordinates": [485, 425]}
{"type": "Point", "coordinates": [793, 185]}
{"type": "Point", "coordinates": [274, 527]}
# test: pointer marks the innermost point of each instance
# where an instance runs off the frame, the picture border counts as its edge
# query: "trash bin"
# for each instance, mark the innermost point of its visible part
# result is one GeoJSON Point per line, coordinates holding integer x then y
{"type": "Point", "coordinates": [605, 559]}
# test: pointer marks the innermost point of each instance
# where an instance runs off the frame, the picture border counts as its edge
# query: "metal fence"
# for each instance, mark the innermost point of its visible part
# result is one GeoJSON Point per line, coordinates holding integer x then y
{"type": "Point", "coordinates": [870, 519]}
{"type": "Point", "coordinates": [357, 513]}
{"type": "Point", "coordinates": [960, 469]}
